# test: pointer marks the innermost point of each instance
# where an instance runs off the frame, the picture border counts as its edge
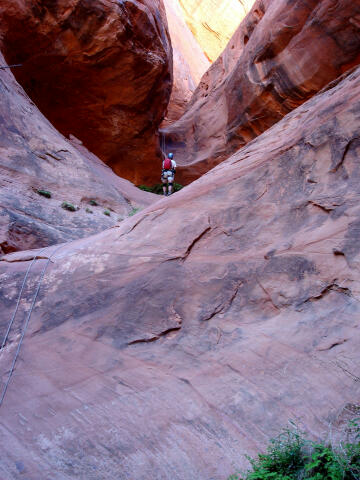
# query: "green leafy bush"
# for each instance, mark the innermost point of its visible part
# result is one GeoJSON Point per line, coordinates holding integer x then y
{"type": "Point", "coordinates": [93, 202]}
{"type": "Point", "coordinates": [323, 464]}
{"type": "Point", "coordinates": [44, 193]}
{"type": "Point", "coordinates": [107, 212]}
{"type": "Point", "coordinates": [292, 457]}
{"type": "Point", "coordinates": [283, 460]}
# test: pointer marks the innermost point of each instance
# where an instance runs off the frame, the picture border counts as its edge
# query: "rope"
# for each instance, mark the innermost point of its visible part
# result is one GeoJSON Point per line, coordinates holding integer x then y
{"type": "Point", "coordinates": [18, 300]}
{"type": "Point", "coordinates": [26, 324]}
{"type": "Point", "coordinates": [163, 144]}
{"type": "Point", "coordinates": [10, 66]}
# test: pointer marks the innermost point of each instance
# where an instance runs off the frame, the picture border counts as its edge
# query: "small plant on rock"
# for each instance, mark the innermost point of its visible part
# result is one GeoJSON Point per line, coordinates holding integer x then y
{"type": "Point", "coordinates": [69, 206]}
{"type": "Point", "coordinates": [107, 213]}
{"type": "Point", "coordinates": [133, 211]}
{"type": "Point", "coordinates": [44, 193]}
{"type": "Point", "coordinates": [93, 202]}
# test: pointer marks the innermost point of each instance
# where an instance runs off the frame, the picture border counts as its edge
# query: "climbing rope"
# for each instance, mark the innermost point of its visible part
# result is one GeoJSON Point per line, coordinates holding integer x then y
{"type": "Point", "coordinates": [10, 66]}
{"type": "Point", "coordinates": [19, 298]}
{"type": "Point", "coordinates": [27, 318]}
{"type": "Point", "coordinates": [163, 144]}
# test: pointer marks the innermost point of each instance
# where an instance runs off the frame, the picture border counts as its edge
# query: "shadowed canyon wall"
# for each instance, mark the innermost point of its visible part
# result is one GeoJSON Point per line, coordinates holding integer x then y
{"type": "Point", "coordinates": [34, 156]}
{"type": "Point", "coordinates": [280, 56]}
{"type": "Point", "coordinates": [97, 69]}
{"type": "Point", "coordinates": [172, 345]}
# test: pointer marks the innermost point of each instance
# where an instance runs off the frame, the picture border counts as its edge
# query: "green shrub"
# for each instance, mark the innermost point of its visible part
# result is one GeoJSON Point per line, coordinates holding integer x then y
{"type": "Point", "coordinates": [87, 210]}
{"type": "Point", "coordinates": [158, 188]}
{"type": "Point", "coordinates": [146, 188]}
{"type": "Point", "coordinates": [322, 463]}
{"type": "Point", "coordinates": [69, 206]}
{"type": "Point", "coordinates": [283, 460]}
{"type": "Point", "coordinates": [177, 187]}
{"type": "Point", "coordinates": [291, 457]}
{"type": "Point", "coordinates": [93, 202]}
{"type": "Point", "coordinates": [107, 212]}
{"type": "Point", "coordinates": [44, 193]}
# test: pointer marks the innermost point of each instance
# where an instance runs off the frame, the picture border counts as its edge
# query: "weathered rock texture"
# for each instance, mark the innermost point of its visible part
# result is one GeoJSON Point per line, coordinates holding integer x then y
{"type": "Point", "coordinates": [213, 22]}
{"type": "Point", "coordinates": [281, 55]}
{"type": "Point", "coordinates": [189, 62]}
{"type": "Point", "coordinates": [97, 69]}
{"type": "Point", "coordinates": [172, 345]}
{"type": "Point", "coordinates": [34, 156]}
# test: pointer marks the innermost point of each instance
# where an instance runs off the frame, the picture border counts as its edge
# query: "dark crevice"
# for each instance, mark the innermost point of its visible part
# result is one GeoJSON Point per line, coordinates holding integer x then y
{"type": "Point", "coordinates": [222, 307]}
{"type": "Point", "coordinates": [155, 337]}
{"type": "Point", "coordinates": [6, 247]}
{"type": "Point", "coordinates": [346, 149]}
{"type": "Point", "coordinates": [338, 252]}
{"type": "Point", "coordinates": [335, 344]}
{"type": "Point", "coordinates": [322, 207]}
{"type": "Point", "coordinates": [340, 342]}
{"type": "Point", "coordinates": [133, 227]}
{"type": "Point", "coordinates": [333, 287]}
{"type": "Point", "coordinates": [218, 309]}
{"type": "Point", "coordinates": [195, 241]}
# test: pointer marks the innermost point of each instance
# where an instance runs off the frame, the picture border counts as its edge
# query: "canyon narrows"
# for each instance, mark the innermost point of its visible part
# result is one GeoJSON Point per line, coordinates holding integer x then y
{"type": "Point", "coordinates": [279, 57]}
{"type": "Point", "coordinates": [169, 343]}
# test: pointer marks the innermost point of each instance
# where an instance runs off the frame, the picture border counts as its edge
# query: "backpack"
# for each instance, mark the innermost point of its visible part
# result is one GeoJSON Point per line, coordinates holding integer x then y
{"type": "Point", "coordinates": [167, 164]}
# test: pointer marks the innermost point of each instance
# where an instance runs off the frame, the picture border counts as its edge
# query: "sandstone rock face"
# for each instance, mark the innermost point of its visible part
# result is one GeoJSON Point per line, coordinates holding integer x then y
{"type": "Point", "coordinates": [97, 69]}
{"type": "Point", "coordinates": [171, 346]}
{"type": "Point", "coordinates": [213, 22]}
{"type": "Point", "coordinates": [34, 156]}
{"type": "Point", "coordinates": [280, 56]}
{"type": "Point", "coordinates": [189, 62]}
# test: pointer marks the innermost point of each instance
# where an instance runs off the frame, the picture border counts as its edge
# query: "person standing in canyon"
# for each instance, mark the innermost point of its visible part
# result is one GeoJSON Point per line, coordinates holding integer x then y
{"type": "Point", "coordinates": [168, 174]}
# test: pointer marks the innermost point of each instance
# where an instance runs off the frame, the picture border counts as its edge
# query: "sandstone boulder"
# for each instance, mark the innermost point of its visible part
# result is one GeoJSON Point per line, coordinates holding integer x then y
{"type": "Point", "coordinates": [169, 347]}
{"type": "Point", "coordinates": [35, 158]}
{"type": "Point", "coordinates": [98, 69]}
{"type": "Point", "coordinates": [280, 56]}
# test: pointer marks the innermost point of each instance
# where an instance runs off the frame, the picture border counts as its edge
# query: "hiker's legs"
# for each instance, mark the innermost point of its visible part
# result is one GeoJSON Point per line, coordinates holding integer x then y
{"type": "Point", "coordinates": [170, 185]}
{"type": "Point", "coordinates": [164, 182]}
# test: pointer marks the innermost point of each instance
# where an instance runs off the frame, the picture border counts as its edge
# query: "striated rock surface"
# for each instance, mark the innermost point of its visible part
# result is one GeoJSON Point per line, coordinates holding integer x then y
{"type": "Point", "coordinates": [213, 22]}
{"type": "Point", "coordinates": [280, 56]}
{"type": "Point", "coordinates": [34, 156]}
{"type": "Point", "coordinates": [100, 70]}
{"type": "Point", "coordinates": [189, 62]}
{"type": "Point", "coordinates": [173, 345]}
